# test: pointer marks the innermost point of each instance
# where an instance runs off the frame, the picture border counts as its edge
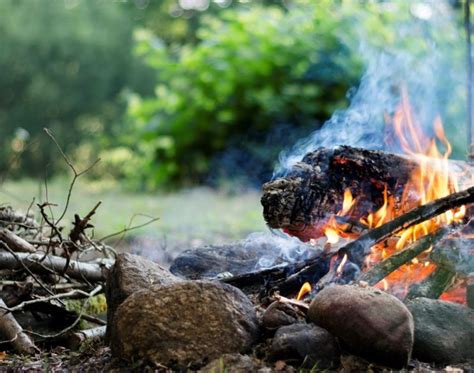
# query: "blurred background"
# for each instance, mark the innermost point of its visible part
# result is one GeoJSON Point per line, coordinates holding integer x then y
{"type": "Point", "coordinates": [188, 103]}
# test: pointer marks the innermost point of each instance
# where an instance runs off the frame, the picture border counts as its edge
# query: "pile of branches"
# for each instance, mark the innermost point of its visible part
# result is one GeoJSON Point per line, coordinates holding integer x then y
{"type": "Point", "coordinates": [42, 267]}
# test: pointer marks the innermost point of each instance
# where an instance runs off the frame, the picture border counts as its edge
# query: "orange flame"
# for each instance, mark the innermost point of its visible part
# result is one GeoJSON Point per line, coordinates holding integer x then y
{"type": "Point", "coordinates": [305, 289]}
{"type": "Point", "coordinates": [430, 180]}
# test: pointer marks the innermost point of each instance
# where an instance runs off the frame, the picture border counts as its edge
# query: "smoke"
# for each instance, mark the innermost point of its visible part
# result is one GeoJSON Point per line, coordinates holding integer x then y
{"type": "Point", "coordinates": [426, 55]}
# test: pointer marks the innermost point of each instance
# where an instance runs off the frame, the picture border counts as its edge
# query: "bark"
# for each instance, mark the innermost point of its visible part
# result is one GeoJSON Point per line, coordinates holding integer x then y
{"type": "Point", "coordinates": [13, 332]}
{"type": "Point", "coordinates": [15, 242]}
{"type": "Point", "coordinates": [313, 189]}
{"type": "Point", "coordinates": [76, 339]}
{"type": "Point", "coordinates": [432, 286]}
{"type": "Point", "coordinates": [77, 270]}
{"type": "Point", "coordinates": [381, 270]}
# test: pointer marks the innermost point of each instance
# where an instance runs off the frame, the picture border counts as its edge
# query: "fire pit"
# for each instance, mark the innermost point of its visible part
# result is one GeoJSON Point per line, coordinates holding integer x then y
{"type": "Point", "coordinates": [378, 268]}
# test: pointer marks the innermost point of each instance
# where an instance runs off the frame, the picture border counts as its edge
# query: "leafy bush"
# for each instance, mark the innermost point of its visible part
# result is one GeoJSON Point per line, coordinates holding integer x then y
{"type": "Point", "coordinates": [252, 71]}
{"type": "Point", "coordinates": [259, 78]}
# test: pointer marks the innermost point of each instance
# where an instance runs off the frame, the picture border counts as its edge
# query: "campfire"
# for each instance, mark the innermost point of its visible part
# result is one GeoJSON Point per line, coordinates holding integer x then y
{"type": "Point", "coordinates": [333, 197]}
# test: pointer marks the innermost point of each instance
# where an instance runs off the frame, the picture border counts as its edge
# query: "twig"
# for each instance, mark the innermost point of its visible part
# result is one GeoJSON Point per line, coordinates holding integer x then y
{"type": "Point", "coordinates": [70, 327]}
{"type": "Point", "coordinates": [75, 172]}
{"type": "Point", "coordinates": [27, 303]}
{"type": "Point", "coordinates": [129, 228]}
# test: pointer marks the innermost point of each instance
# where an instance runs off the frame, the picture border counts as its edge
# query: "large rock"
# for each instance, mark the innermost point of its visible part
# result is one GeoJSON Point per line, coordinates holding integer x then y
{"type": "Point", "coordinates": [369, 322]}
{"type": "Point", "coordinates": [184, 323]}
{"type": "Point", "coordinates": [307, 343]}
{"type": "Point", "coordinates": [129, 274]}
{"type": "Point", "coordinates": [258, 251]}
{"type": "Point", "coordinates": [444, 331]}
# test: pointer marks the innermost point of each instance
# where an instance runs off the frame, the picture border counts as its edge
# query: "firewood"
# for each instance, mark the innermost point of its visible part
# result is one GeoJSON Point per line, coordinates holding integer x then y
{"type": "Point", "coordinates": [13, 332]}
{"type": "Point", "coordinates": [382, 269]}
{"type": "Point", "coordinates": [40, 263]}
{"type": "Point", "coordinates": [313, 189]}
{"type": "Point", "coordinates": [76, 339]}
{"type": "Point", "coordinates": [432, 286]}
{"type": "Point", "coordinates": [358, 249]}
{"type": "Point", "coordinates": [15, 242]}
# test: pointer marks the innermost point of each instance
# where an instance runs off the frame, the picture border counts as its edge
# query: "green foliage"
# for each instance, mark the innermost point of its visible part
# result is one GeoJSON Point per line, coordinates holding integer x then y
{"type": "Point", "coordinates": [252, 69]}
{"type": "Point", "coordinates": [64, 66]}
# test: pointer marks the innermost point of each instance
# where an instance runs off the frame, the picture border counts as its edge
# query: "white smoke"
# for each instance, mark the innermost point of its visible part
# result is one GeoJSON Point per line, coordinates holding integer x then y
{"type": "Point", "coordinates": [434, 75]}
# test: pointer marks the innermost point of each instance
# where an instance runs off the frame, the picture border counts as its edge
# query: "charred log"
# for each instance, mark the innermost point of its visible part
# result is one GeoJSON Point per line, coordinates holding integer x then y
{"type": "Point", "coordinates": [313, 189]}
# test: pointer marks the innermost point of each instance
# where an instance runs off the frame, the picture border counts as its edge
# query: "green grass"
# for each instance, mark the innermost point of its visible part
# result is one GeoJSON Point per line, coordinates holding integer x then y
{"type": "Point", "coordinates": [188, 218]}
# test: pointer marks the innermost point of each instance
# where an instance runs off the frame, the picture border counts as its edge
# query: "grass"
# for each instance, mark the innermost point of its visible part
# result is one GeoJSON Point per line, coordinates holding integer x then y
{"type": "Point", "coordinates": [188, 218]}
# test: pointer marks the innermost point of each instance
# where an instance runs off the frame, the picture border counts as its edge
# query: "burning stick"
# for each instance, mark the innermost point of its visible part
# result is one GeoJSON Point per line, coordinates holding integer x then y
{"type": "Point", "coordinates": [384, 268]}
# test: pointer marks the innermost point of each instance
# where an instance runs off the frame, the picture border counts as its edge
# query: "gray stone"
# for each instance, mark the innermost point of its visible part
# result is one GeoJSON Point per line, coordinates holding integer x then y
{"type": "Point", "coordinates": [184, 324]}
{"type": "Point", "coordinates": [129, 274]}
{"type": "Point", "coordinates": [278, 314]}
{"type": "Point", "coordinates": [369, 322]}
{"type": "Point", "coordinates": [444, 331]}
{"type": "Point", "coordinates": [258, 251]}
{"type": "Point", "coordinates": [307, 343]}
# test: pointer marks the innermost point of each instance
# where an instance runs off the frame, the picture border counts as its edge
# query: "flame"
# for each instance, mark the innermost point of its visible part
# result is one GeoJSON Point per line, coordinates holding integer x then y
{"type": "Point", "coordinates": [334, 230]}
{"type": "Point", "coordinates": [305, 289]}
{"type": "Point", "coordinates": [430, 180]}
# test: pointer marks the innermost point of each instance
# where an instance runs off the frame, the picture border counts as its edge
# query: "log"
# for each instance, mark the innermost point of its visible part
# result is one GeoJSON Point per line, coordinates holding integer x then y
{"type": "Point", "coordinates": [76, 339]}
{"type": "Point", "coordinates": [15, 242]}
{"type": "Point", "coordinates": [39, 263]}
{"type": "Point", "coordinates": [302, 200]}
{"type": "Point", "coordinates": [382, 269]}
{"type": "Point", "coordinates": [13, 332]}
{"type": "Point", "coordinates": [432, 286]}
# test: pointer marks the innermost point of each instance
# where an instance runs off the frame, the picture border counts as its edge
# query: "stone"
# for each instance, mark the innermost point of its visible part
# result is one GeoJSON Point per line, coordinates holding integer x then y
{"type": "Point", "coordinates": [129, 274]}
{"type": "Point", "coordinates": [278, 314]}
{"type": "Point", "coordinates": [367, 321]}
{"type": "Point", "coordinates": [184, 324]}
{"type": "Point", "coordinates": [234, 363]}
{"type": "Point", "coordinates": [444, 331]}
{"type": "Point", "coordinates": [258, 251]}
{"type": "Point", "coordinates": [305, 343]}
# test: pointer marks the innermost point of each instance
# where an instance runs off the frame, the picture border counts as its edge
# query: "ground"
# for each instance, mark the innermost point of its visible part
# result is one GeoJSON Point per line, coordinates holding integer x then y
{"type": "Point", "coordinates": [188, 218]}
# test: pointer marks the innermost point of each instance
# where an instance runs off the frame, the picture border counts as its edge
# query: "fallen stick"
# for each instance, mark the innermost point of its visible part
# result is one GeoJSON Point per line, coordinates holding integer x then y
{"type": "Point", "coordinates": [40, 263]}
{"type": "Point", "coordinates": [10, 329]}
{"type": "Point", "coordinates": [382, 269]}
{"type": "Point", "coordinates": [15, 242]}
{"type": "Point", "coordinates": [76, 339]}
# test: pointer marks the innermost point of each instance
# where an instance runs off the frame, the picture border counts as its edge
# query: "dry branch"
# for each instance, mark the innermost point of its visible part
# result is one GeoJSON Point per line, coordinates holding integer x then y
{"type": "Point", "coordinates": [39, 263]}
{"type": "Point", "coordinates": [10, 329]}
{"type": "Point", "coordinates": [15, 242]}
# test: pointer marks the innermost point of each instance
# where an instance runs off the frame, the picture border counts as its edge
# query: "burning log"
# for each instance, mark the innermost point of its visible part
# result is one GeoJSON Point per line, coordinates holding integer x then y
{"type": "Point", "coordinates": [453, 259]}
{"type": "Point", "coordinates": [381, 270]}
{"type": "Point", "coordinates": [432, 286]}
{"type": "Point", "coordinates": [301, 202]}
